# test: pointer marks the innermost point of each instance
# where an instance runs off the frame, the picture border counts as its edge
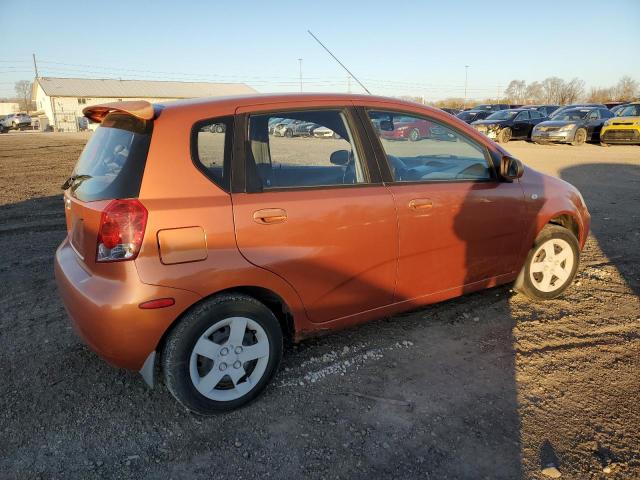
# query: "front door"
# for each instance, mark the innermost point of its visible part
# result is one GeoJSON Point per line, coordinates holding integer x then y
{"type": "Point", "coordinates": [316, 214]}
{"type": "Point", "coordinates": [459, 226]}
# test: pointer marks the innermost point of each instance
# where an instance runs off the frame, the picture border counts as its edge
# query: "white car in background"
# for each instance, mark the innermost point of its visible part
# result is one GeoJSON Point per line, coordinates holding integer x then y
{"type": "Point", "coordinates": [324, 132]}
{"type": "Point", "coordinates": [16, 121]}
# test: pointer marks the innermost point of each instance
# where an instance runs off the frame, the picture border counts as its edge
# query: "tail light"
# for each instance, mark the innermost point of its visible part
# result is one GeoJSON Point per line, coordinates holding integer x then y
{"type": "Point", "coordinates": [121, 231]}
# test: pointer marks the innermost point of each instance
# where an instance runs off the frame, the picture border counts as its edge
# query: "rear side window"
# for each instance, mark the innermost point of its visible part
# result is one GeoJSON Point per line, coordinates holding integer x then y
{"type": "Point", "coordinates": [302, 149]}
{"type": "Point", "coordinates": [211, 149]}
{"type": "Point", "coordinates": [112, 163]}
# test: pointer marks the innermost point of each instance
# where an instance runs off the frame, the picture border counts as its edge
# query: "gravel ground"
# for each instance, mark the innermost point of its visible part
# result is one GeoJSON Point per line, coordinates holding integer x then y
{"type": "Point", "coordinates": [486, 386]}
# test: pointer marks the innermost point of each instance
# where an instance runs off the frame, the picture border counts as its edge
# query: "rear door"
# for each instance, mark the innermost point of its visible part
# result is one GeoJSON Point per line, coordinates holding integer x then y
{"type": "Point", "coordinates": [315, 212]}
{"type": "Point", "coordinates": [459, 225]}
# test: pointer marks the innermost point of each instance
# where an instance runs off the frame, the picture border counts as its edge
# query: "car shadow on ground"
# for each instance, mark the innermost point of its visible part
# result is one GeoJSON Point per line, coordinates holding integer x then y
{"type": "Point", "coordinates": [452, 362]}
{"type": "Point", "coordinates": [611, 227]}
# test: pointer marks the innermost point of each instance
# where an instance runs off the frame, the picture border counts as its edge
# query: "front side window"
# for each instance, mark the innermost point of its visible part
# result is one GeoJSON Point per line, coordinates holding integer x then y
{"type": "Point", "coordinates": [522, 116]}
{"type": "Point", "coordinates": [308, 148]}
{"type": "Point", "coordinates": [212, 140]}
{"type": "Point", "coordinates": [439, 154]}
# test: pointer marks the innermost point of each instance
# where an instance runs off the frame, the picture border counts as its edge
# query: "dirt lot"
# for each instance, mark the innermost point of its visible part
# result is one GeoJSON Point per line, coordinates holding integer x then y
{"type": "Point", "coordinates": [498, 386]}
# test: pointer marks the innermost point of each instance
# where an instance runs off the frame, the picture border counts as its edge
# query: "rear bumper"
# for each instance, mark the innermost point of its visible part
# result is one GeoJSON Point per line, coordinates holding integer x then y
{"type": "Point", "coordinates": [104, 310]}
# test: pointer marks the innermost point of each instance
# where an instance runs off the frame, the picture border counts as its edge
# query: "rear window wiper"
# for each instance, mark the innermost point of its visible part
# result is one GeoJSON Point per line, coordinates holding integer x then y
{"type": "Point", "coordinates": [73, 179]}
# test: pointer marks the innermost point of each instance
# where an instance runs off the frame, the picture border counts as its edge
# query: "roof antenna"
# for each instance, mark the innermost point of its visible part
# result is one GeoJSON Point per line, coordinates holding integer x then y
{"type": "Point", "coordinates": [336, 59]}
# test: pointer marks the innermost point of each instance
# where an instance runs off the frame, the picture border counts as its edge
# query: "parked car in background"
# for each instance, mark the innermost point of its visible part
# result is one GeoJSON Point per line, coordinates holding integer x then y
{"type": "Point", "coordinates": [408, 128]}
{"type": "Point", "coordinates": [506, 125]}
{"type": "Point", "coordinates": [200, 276]}
{"type": "Point", "coordinates": [577, 105]}
{"type": "Point", "coordinates": [492, 107]}
{"type": "Point", "coordinates": [451, 111]}
{"type": "Point", "coordinates": [574, 126]}
{"type": "Point", "coordinates": [624, 128]}
{"type": "Point", "coordinates": [612, 105]}
{"type": "Point", "coordinates": [470, 116]}
{"type": "Point", "coordinates": [618, 108]}
{"type": "Point", "coordinates": [324, 132]}
{"type": "Point", "coordinates": [16, 121]}
{"type": "Point", "coordinates": [293, 128]}
{"type": "Point", "coordinates": [545, 110]}
{"type": "Point", "coordinates": [218, 128]}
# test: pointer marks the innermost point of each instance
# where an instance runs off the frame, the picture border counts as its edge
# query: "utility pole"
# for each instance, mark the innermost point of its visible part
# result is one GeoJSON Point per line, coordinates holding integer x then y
{"type": "Point", "coordinates": [466, 78]}
{"type": "Point", "coordinates": [35, 65]}
{"type": "Point", "coordinates": [300, 72]}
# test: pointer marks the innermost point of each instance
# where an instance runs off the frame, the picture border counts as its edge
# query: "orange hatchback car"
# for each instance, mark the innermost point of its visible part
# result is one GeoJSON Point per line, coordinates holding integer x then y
{"type": "Point", "coordinates": [198, 240]}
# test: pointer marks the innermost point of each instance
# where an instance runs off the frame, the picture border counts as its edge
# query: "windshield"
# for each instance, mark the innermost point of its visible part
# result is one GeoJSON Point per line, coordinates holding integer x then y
{"type": "Point", "coordinates": [629, 111]}
{"type": "Point", "coordinates": [113, 160]}
{"type": "Point", "coordinates": [572, 115]}
{"type": "Point", "coordinates": [503, 115]}
{"type": "Point", "coordinates": [467, 115]}
{"type": "Point", "coordinates": [482, 107]}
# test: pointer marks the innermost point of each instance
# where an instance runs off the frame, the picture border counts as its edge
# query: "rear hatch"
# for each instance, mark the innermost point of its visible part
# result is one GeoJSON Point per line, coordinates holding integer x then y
{"type": "Point", "coordinates": [110, 168]}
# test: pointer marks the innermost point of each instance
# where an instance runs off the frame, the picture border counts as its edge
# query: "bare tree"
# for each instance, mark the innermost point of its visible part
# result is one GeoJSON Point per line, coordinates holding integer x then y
{"type": "Point", "coordinates": [552, 90]}
{"type": "Point", "coordinates": [601, 95]}
{"type": "Point", "coordinates": [516, 91]}
{"type": "Point", "coordinates": [23, 90]}
{"type": "Point", "coordinates": [626, 89]}
{"type": "Point", "coordinates": [535, 93]}
{"type": "Point", "coordinates": [571, 91]}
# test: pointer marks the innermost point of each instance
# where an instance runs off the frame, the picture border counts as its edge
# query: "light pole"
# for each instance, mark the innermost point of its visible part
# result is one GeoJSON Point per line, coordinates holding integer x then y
{"type": "Point", "coordinates": [300, 72]}
{"type": "Point", "coordinates": [466, 77]}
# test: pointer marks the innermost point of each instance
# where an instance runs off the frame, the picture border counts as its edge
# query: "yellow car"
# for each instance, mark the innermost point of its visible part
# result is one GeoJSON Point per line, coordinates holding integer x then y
{"type": "Point", "coordinates": [623, 128]}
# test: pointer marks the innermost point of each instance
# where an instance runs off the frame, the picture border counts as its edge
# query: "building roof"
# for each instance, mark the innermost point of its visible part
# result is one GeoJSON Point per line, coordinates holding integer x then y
{"type": "Point", "coordinates": [111, 88]}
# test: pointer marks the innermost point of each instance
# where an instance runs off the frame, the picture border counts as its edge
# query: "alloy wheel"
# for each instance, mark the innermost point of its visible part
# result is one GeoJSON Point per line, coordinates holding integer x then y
{"type": "Point", "coordinates": [229, 359]}
{"type": "Point", "coordinates": [551, 265]}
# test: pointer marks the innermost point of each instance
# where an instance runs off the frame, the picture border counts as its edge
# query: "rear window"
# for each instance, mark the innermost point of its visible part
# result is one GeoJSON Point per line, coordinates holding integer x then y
{"type": "Point", "coordinates": [112, 162]}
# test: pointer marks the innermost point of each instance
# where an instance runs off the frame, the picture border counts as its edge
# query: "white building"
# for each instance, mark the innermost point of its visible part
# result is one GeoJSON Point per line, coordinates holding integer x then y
{"type": "Point", "coordinates": [9, 107]}
{"type": "Point", "coordinates": [62, 99]}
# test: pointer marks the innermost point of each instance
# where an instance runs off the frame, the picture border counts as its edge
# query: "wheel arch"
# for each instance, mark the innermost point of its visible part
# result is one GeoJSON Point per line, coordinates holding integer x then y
{"type": "Point", "coordinates": [567, 221]}
{"type": "Point", "coordinates": [272, 300]}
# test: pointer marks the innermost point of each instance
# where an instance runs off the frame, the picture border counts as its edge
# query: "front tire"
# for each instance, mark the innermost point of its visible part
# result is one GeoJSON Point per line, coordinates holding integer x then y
{"type": "Point", "coordinates": [414, 135]}
{"type": "Point", "coordinates": [222, 354]}
{"type": "Point", "coordinates": [551, 264]}
{"type": "Point", "coordinates": [580, 137]}
{"type": "Point", "coordinates": [504, 136]}
{"type": "Point", "coordinates": [288, 133]}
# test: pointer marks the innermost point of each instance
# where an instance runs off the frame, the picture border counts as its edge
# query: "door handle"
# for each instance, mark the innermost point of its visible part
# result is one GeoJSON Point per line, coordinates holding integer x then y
{"type": "Point", "coordinates": [420, 204]}
{"type": "Point", "coordinates": [268, 216]}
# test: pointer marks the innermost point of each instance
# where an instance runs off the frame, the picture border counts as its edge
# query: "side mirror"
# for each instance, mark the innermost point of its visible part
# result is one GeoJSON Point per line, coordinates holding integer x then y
{"type": "Point", "coordinates": [511, 168]}
{"type": "Point", "coordinates": [386, 125]}
{"type": "Point", "coordinates": [340, 157]}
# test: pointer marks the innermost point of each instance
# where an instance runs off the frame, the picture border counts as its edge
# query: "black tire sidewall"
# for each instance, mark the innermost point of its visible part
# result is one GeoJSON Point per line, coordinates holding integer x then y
{"type": "Point", "coordinates": [548, 233]}
{"type": "Point", "coordinates": [177, 352]}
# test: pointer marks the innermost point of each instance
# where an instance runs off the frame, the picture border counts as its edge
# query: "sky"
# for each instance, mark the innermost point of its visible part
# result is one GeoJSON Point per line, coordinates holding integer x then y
{"type": "Point", "coordinates": [395, 48]}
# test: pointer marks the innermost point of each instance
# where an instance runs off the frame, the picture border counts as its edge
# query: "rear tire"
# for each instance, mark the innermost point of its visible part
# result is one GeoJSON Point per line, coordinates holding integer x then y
{"type": "Point", "coordinates": [580, 137]}
{"type": "Point", "coordinates": [551, 264]}
{"type": "Point", "coordinates": [222, 354]}
{"type": "Point", "coordinates": [504, 135]}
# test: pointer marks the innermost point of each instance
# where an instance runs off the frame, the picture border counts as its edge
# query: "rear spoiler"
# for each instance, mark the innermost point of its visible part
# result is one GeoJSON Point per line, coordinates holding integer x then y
{"type": "Point", "coordinates": [137, 108]}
